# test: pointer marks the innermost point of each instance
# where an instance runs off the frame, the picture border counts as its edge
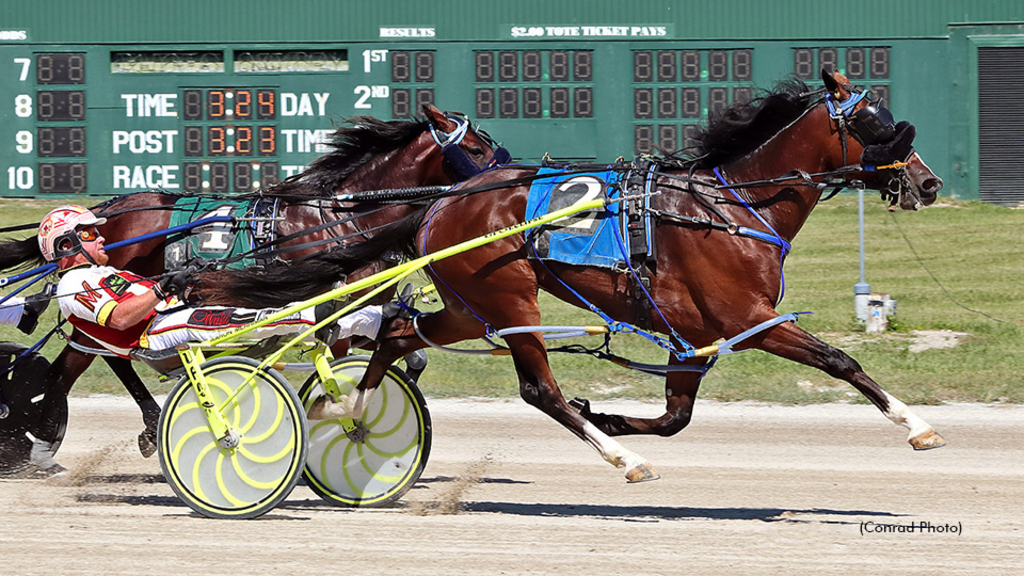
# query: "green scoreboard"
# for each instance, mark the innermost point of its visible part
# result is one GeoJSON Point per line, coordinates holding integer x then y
{"type": "Point", "coordinates": [233, 96]}
{"type": "Point", "coordinates": [111, 119]}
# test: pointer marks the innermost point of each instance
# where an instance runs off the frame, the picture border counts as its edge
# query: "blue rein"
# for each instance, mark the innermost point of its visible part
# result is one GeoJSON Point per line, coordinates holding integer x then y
{"type": "Point", "coordinates": [774, 238]}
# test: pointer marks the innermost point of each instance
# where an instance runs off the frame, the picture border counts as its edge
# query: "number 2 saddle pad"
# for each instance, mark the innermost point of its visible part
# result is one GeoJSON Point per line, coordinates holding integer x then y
{"type": "Point", "coordinates": [587, 238]}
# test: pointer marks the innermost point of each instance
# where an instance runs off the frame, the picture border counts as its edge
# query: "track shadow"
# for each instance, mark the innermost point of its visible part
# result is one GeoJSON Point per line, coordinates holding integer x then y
{"type": "Point", "coordinates": [654, 513]}
{"type": "Point", "coordinates": [437, 479]}
{"type": "Point", "coordinates": [125, 479]}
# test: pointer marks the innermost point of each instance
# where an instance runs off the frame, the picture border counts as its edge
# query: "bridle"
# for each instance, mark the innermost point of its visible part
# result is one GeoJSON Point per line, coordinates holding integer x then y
{"type": "Point", "coordinates": [874, 127]}
{"type": "Point", "coordinates": [455, 157]}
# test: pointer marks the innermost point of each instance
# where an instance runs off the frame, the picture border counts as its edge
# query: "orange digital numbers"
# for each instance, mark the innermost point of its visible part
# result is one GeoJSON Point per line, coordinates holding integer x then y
{"type": "Point", "coordinates": [266, 104]}
{"type": "Point", "coordinates": [267, 140]}
{"type": "Point", "coordinates": [243, 104]}
{"type": "Point", "coordinates": [217, 140]}
{"type": "Point", "coordinates": [214, 104]}
{"type": "Point", "coordinates": [243, 140]}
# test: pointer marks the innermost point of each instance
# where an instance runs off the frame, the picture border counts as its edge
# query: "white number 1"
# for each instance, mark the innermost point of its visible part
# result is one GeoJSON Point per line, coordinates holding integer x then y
{"type": "Point", "coordinates": [25, 63]}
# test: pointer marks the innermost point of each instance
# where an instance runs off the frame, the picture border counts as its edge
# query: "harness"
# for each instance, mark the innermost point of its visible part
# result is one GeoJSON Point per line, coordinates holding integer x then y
{"type": "Point", "coordinates": [871, 126]}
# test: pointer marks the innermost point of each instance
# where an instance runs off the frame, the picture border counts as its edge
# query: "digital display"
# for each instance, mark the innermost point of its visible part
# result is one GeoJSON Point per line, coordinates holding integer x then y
{"type": "Point", "coordinates": [643, 138]}
{"type": "Point", "coordinates": [881, 92]}
{"type": "Point", "coordinates": [643, 103]}
{"type": "Point", "coordinates": [855, 63]}
{"type": "Point", "coordinates": [858, 63]}
{"type": "Point", "coordinates": [412, 66]}
{"type": "Point", "coordinates": [533, 106]}
{"type": "Point", "coordinates": [508, 103]}
{"type": "Point", "coordinates": [879, 63]}
{"type": "Point", "coordinates": [718, 65]}
{"type": "Point", "coordinates": [65, 141]}
{"type": "Point", "coordinates": [691, 65]}
{"type": "Point", "coordinates": [60, 68]}
{"type": "Point", "coordinates": [532, 66]}
{"type": "Point", "coordinates": [537, 69]}
{"type": "Point", "coordinates": [691, 103]}
{"type": "Point", "coordinates": [742, 65]}
{"type": "Point", "coordinates": [678, 88]}
{"type": "Point", "coordinates": [229, 104]}
{"type": "Point", "coordinates": [213, 176]}
{"type": "Point", "coordinates": [560, 103]}
{"type": "Point", "coordinates": [67, 178]}
{"type": "Point", "coordinates": [718, 99]}
{"type": "Point", "coordinates": [828, 58]}
{"type": "Point", "coordinates": [63, 106]}
{"type": "Point", "coordinates": [484, 68]}
{"type": "Point", "coordinates": [667, 103]}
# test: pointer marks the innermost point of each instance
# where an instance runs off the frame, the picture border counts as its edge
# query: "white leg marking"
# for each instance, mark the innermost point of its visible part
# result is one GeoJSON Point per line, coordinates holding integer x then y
{"type": "Point", "coordinates": [348, 406]}
{"type": "Point", "coordinates": [612, 452]}
{"type": "Point", "coordinates": [900, 414]}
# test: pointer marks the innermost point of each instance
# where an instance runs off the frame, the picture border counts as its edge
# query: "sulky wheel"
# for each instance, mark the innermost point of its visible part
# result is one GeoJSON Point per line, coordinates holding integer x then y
{"type": "Point", "coordinates": [28, 393]}
{"type": "Point", "coordinates": [256, 475]}
{"type": "Point", "coordinates": [372, 461]}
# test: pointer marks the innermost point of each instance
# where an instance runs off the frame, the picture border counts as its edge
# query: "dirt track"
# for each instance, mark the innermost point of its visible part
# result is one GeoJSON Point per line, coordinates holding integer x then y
{"type": "Point", "coordinates": [747, 489]}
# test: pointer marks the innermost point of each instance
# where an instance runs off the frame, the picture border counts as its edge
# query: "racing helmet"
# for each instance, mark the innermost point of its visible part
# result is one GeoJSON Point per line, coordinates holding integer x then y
{"type": "Point", "coordinates": [57, 232]}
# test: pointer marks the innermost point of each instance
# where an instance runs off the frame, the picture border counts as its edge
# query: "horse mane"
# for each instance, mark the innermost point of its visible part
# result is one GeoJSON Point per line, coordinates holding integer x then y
{"type": "Point", "coordinates": [294, 281]}
{"type": "Point", "coordinates": [351, 148]}
{"type": "Point", "coordinates": [740, 129]}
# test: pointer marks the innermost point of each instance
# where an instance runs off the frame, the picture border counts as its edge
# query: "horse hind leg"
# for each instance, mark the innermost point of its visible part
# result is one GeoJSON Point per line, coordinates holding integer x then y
{"type": "Point", "coordinates": [680, 393]}
{"type": "Point", "coordinates": [539, 389]}
{"type": "Point", "coordinates": [789, 341]}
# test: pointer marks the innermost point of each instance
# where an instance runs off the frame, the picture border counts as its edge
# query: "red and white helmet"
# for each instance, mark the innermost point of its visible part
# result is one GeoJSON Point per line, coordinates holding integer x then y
{"type": "Point", "coordinates": [57, 236]}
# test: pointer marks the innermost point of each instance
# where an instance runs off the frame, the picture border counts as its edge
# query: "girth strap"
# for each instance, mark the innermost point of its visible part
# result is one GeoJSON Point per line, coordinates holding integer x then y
{"type": "Point", "coordinates": [639, 235]}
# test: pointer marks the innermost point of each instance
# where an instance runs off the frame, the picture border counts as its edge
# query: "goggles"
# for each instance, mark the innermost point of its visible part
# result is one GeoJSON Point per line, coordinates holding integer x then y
{"type": "Point", "coordinates": [88, 234]}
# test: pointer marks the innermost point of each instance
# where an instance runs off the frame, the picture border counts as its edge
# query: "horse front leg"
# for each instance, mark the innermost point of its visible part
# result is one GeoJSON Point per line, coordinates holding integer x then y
{"type": "Point", "coordinates": [126, 373]}
{"type": "Point", "coordinates": [680, 393]}
{"type": "Point", "coordinates": [538, 388]}
{"type": "Point", "coordinates": [788, 341]}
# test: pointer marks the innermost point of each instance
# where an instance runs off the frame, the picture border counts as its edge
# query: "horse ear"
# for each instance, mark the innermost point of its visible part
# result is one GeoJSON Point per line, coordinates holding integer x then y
{"type": "Point", "coordinates": [831, 84]}
{"type": "Point", "coordinates": [438, 119]}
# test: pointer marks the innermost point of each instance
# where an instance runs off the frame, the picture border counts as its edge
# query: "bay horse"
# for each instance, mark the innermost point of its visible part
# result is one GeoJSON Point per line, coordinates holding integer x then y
{"type": "Point", "coordinates": [708, 281]}
{"type": "Point", "coordinates": [438, 149]}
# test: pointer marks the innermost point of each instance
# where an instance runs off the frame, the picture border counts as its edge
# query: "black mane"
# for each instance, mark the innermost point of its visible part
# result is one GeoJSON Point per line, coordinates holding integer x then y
{"type": "Point", "coordinates": [351, 148]}
{"type": "Point", "coordinates": [741, 128]}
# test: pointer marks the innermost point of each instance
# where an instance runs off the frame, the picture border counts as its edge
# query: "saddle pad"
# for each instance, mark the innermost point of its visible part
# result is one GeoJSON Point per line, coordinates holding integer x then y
{"type": "Point", "coordinates": [586, 239]}
{"type": "Point", "coordinates": [217, 240]}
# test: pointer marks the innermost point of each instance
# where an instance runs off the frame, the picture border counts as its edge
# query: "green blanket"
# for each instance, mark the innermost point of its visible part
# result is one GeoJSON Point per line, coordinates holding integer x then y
{"type": "Point", "coordinates": [213, 241]}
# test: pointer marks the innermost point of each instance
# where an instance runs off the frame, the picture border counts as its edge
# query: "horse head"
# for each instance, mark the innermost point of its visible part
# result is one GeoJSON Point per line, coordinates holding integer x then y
{"type": "Point", "coordinates": [885, 147]}
{"type": "Point", "coordinates": [467, 151]}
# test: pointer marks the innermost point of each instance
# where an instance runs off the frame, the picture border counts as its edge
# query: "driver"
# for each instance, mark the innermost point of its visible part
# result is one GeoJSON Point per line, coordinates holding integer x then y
{"type": "Point", "coordinates": [122, 311]}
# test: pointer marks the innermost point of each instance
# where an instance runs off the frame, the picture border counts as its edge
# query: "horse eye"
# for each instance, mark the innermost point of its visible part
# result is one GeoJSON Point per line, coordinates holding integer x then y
{"type": "Point", "coordinates": [476, 151]}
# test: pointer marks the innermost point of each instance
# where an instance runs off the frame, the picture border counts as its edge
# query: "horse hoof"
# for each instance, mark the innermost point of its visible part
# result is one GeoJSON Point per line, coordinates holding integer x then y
{"type": "Point", "coordinates": [642, 473]}
{"type": "Point", "coordinates": [147, 443]}
{"type": "Point", "coordinates": [927, 440]}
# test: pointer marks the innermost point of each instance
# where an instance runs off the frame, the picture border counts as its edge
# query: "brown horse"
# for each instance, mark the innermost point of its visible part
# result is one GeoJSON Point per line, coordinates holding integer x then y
{"type": "Point", "coordinates": [438, 150]}
{"type": "Point", "coordinates": [709, 281]}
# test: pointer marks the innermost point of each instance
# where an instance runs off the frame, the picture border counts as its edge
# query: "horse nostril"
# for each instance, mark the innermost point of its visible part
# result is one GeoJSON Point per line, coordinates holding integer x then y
{"type": "Point", "coordinates": [932, 185]}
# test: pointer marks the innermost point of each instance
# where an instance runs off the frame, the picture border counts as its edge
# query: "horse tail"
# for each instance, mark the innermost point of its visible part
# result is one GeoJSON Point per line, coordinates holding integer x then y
{"type": "Point", "coordinates": [21, 253]}
{"type": "Point", "coordinates": [292, 282]}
